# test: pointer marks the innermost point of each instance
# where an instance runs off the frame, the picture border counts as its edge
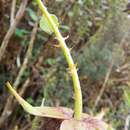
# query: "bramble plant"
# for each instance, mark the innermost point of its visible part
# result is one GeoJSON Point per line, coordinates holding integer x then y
{"type": "Point", "coordinates": [80, 121]}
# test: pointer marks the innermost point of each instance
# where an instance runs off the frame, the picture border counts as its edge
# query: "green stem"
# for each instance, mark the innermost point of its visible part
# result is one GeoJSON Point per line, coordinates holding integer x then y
{"type": "Point", "coordinates": [77, 89]}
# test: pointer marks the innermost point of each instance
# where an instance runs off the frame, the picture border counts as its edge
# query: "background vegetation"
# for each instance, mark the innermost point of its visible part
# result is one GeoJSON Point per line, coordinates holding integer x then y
{"type": "Point", "coordinates": [98, 33]}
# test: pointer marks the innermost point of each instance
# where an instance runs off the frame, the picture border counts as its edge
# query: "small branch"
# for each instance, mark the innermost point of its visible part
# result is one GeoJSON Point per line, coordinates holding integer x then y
{"type": "Point", "coordinates": [127, 123]}
{"type": "Point", "coordinates": [12, 15]}
{"type": "Point", "coordinates": [24, 87]}
{"type": "Point", "coordinates": [11, 30]}
{"type": "Point", "coordinates": [77, 89]}
{"type": "Point", "coordinates": [104, 84]}
{"type": "Point", "coordinates": [27, 56]}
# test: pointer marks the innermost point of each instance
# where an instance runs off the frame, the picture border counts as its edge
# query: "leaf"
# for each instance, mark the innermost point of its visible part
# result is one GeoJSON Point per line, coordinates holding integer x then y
{"type": "Point", "coordinates": [73, 125]}
{"type": "Point", "coordinates": [43, 111]}
{"type": "Point", "coordinates": [45, 25]}
{"type": "Point", "coordinates": [32, 14]}
{"type": "Point", "coordinates": [64, 28]}
{"type": "Point", "coordinates": [50, 61]}
{"type": "Point", "coordinates": [95, 122]}
{"type": "Point", "coordinates": [21, 32]}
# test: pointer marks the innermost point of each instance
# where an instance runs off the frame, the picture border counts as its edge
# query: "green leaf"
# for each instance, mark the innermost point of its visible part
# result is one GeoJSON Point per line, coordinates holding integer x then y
{"type": "Point", "coordinates": [32, 14]}
{"type": "Point", "coordinates": [50, 61]}
{"type": "Point", "coordinates": [127, 97]}
{"type": "Point", "coordinates": [43, 111]}
{"type": "Point", "coordinates": [21, 32]}
{"type": "Point", "coordinates": [45, 26]}
{"type": "Point", "coordinates": [64, 28]}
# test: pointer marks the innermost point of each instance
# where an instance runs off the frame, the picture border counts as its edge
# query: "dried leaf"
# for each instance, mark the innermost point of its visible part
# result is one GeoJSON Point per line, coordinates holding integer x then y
{"type": "Point", "coordinates": [94, 123]}
{"type": "Point", "coordinates": [73, 125]}
{"type": "Point", "coordinates": [43, 111]}
{"type": "Point", "coordinates": [87, 123]}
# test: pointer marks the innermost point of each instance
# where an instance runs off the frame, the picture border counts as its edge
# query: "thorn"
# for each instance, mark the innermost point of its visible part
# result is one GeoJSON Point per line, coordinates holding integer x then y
{"type": "Point", "coordinates": [55, 38]}
{"type": "Point", "coordinates": [57, 46]}
{"type": "Point", "coordinates": [101, 114]}
{"type": "Point", "coordinates": [65, 38]}
{"type": "Point", "coordinates": [72, 68]}
{"type": "Point", "coordinates": [71, 48]}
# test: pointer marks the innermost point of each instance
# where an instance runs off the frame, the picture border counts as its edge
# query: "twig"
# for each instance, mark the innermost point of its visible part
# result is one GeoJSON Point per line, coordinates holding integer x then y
{"type": "Point", "coordinates": [12, 28]}
{"type": "Point", "coordinates": [127, 122]}
{"type": "Point", "coordinates": [24, 87]}
{"type": "Point", "coordinates": [12, 15]}
{"type": "Point", "coordinates": [104, 84]}
{"type": "Point", "coordinates": [26, 127]}
{"type": "Point", "coordinates": [27, 56]}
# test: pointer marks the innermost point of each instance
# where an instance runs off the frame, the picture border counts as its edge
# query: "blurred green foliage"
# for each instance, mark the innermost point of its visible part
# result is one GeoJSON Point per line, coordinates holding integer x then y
{"type": "Point", "coordinates": [96, 29]}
